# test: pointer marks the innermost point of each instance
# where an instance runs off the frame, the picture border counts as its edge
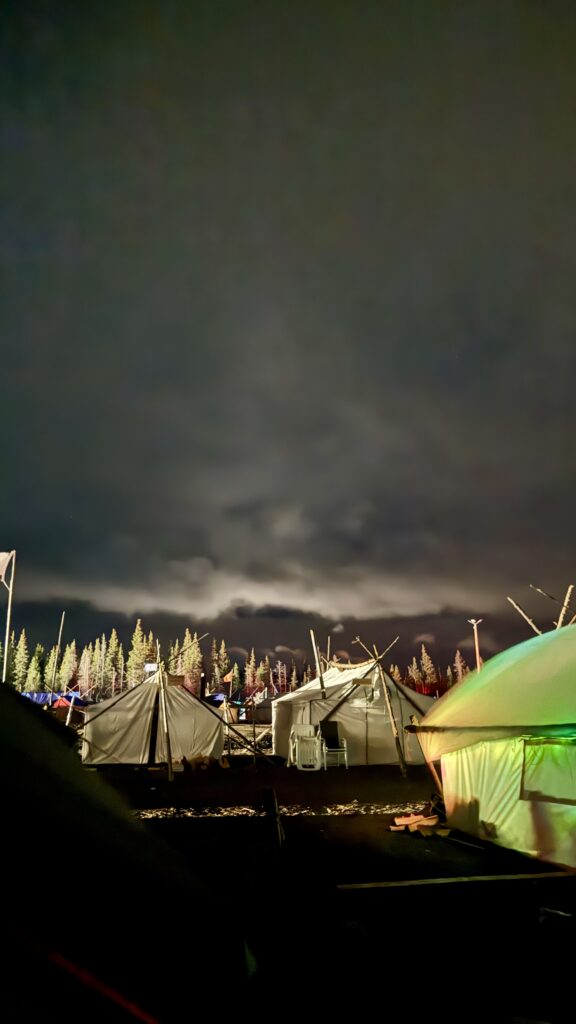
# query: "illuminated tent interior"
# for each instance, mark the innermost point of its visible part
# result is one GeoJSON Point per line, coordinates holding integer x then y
{"type": "Point", "coordinates": [506, 740]}
{"type": "Point", "coordinates": [133, 728]}
{"type": "Point", "coordinates": [356, 700]}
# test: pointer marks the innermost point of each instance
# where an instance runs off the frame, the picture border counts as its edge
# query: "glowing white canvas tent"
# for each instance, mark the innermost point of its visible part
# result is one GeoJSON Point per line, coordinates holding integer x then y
{"type": "Point", "coordinates": [506, 739]}
{"type": "Point", "coordinates": [355, 699]}
{"type": "Point", "coordinates": [122, 729]}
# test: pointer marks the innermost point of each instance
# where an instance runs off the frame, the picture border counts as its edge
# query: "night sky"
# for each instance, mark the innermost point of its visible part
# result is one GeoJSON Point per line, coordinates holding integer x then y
{"type": "Point", "coordinates": [288, 316]}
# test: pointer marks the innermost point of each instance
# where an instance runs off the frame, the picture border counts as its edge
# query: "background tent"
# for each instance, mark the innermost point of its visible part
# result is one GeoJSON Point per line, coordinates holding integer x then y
{"type": "Point", "coordinates": [362, 716]}
{"type": "Point", "coordinates": [506, 738]}
{"type": "Point", "coordinates": [122, 730]}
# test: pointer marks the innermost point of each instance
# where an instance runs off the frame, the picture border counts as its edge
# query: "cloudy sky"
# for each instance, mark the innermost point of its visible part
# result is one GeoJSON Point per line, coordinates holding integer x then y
{"type": "Point", "coordinates": [288, 320]}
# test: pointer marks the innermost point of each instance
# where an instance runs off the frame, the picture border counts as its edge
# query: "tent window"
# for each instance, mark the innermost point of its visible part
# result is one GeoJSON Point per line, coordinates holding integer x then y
{"type": "Point", "coordinates": [549, 771]}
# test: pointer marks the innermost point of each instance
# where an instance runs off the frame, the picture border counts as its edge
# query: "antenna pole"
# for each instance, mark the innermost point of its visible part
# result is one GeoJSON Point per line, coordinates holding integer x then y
{"type": "Point", "coordinates": [475, 623]}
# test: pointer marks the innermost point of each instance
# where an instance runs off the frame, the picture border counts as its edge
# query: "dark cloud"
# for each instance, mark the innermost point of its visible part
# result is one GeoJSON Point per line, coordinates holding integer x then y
{"type": "Point", "coordinates": [289, 328]}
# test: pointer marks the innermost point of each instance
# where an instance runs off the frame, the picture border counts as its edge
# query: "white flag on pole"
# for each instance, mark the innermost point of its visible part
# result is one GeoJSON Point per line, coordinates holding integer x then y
{"type": "Point", "coordinates": [5, 559]}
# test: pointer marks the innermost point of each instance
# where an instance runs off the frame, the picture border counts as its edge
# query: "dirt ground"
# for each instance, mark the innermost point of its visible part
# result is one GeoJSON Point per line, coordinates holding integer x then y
{"type": "Point", "coordinates": [462, 928]}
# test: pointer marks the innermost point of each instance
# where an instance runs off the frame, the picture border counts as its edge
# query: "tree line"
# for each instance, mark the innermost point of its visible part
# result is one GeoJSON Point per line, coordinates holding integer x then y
{"type": "Point", "coordinates": [102, 668]}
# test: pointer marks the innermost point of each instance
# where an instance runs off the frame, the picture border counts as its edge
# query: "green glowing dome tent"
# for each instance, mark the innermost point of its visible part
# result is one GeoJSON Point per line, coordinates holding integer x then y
{"type": "Point", "coordinates": [506, 740]}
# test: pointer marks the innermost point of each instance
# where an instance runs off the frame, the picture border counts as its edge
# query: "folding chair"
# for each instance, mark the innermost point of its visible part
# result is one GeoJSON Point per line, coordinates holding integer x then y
{"type": "Point", "coordinates": [335, 746]}
{"type": "Point", "coordinates": [306, 749]}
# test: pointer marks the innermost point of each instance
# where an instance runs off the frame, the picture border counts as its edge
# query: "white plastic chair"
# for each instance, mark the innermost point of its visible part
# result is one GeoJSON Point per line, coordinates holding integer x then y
{"type": "Point", "coordinates": [307, 748]}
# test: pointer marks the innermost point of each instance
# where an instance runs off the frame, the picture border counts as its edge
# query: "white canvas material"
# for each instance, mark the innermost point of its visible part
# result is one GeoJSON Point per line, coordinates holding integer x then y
{"type": "Point", "coordinates": [118, 731]}
{"type": "Point", "coordinates": [363, 717]}
{"type": "Point", "coordinates": [5, 559]}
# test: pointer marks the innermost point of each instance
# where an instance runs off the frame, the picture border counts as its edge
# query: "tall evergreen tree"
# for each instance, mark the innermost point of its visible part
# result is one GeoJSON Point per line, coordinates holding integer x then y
{"type": "Point", "coordinates": [137, 656]}
{"type": "Point", "coordinates": [223, 660]}
{"type": "Point", "coordinates": [250, 673]}
{"type": "Point", "coordinates": [396, 673]}
{"type": "Point", "coordinates": [294, 677]}
{"type": "Point", "coordinates": [111, 664]}
{"type": "Point", "coordinates": [414, 673]}
{"type": "Point", "coordinates": [85, 677]}
{"type": "Point", "coordinates": [34, 674]}
{"type": "Point", "coordinates": [214, 666]}
{"type": "Point", "coordinates": [449, 677]}
{"type": "Point", "coordinates": [50, 677]}
{"type": "Point", "coordinates": [151, 648]}
{"type": "Point", "coordinates": [428, 669]}
{"type": "Point", "coordinates": [236, 680]}
{"type": "Point", "coordinates": [68, 668]}
{"type": "Point", "coordinates": [98, 667]}
{"type": "Point", "coordinates": [21, 659]}
{"type": "Point", "coordinates": [460, 667]}
{"type": "Point", "coordinates": [192, 662]}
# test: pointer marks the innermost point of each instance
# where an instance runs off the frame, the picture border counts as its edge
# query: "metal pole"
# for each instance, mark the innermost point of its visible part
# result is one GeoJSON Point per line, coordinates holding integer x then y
{"type": "Point", "coordinates": [475, 623]}
{"type": "Point", "coordinates": [8, 617]}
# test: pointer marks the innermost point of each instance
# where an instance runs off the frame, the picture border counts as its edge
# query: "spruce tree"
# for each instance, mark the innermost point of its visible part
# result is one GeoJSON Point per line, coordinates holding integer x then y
{"type": "Point", "coordinates": [50, 680]}
{"type": "Point", "coordinates": [428, 669]}
{"type": "Point", "coordinates": [449, 677]}
{"type": "Point", "coordinates": [97, 668]}
{"type": "Point", "coordinates": [236, 680]}
{"type": "Point", "coordinates": [192, 662]}
{"type": "Point", "coordinates": [223, 660]}
{"type": "Point", "coordinates": [137, 656]}
{"type": "Point", "coordinates": [460, 667]}
{"type": "Point", "coordinates": [85, 677]}
{"type": "Point", "coordinates": [68, 668]}
{"type": "Point", "coordinates": [151, 648]}
{"type": "Point", "coordinates": [294, 677]}
{"type": "Point", "coordinates": [34, 674]}
{"type": "Point", "coordinates": [111, 666]}
{"type": "Point", "coordinates": [21, 659]}
{"type": "Point", "coordinates": [214, 666]}
{"type": "Point", "coordinates": [250, 673]}
{"type": "Point", "coordinates": [414, 673]}
{"type": "Point", "coordinates": [396, 674]}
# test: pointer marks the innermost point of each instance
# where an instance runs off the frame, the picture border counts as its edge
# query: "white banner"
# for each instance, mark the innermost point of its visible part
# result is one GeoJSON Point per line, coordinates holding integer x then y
{"type": "Point", "coordinates": [5, 559]}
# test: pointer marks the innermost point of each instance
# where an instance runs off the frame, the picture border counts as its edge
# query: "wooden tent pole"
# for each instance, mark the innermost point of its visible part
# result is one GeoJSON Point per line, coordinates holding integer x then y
{"type": "Point", "coordinates": [565, 606]}
{"type": "Point", "coordinates": [524, 616]}
{"type": "Point", "coordinates": [318, 664]}
{"type": "Point", "coordinates": [165, 717]}
{"type": "Point", "coordinates": [399, 750]}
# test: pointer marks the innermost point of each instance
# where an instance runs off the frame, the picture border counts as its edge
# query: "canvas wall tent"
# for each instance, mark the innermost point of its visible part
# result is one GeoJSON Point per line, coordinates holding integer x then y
{"type": "Point", "coordinates": [362, 716]}
{"type": "Point", "coordinates": [506, 739]}
{"type": "Point", "coordinates": [122, 730]}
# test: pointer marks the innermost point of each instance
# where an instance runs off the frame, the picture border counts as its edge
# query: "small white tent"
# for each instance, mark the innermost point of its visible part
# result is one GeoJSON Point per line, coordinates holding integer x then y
{"type": "Point", "coordinates": [120, 730]}
{"type": "Point", "coordinates": [355, 699]}
{"type": "Point", "coordinates": [506, 739]}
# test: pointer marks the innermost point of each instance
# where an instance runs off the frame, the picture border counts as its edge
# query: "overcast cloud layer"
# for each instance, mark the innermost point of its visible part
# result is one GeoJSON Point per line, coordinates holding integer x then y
{"type": "Point", "coordinates": [289, 314]}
